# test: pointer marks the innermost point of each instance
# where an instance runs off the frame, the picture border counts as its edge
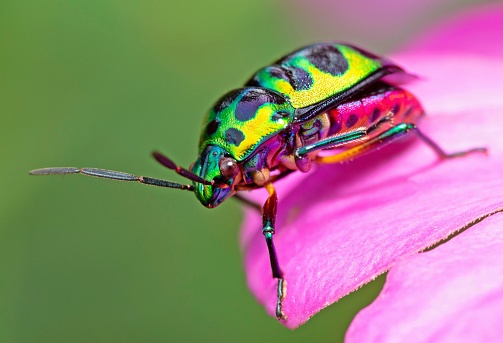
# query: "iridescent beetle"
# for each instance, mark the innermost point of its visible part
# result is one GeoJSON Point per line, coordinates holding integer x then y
{"type": "Point", "coordinates": [324, 96]}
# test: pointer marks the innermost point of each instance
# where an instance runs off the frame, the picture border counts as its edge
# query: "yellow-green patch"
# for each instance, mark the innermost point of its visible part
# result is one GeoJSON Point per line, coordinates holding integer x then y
{"type": "Point", "coordinates": [316, 73]}
{"type": "Point", "coordinates": [265, 114]}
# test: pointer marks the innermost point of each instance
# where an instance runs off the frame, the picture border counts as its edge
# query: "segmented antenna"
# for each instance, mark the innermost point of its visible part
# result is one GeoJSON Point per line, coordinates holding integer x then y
{"type": "Point", "coordinates": [112, 175]}
{"type": "Point", "coordinates": [168, 163]}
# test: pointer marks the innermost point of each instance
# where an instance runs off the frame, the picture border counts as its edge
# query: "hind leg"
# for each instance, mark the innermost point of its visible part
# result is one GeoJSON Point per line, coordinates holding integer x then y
{"type": "Point", "coordinates": [389, 136]}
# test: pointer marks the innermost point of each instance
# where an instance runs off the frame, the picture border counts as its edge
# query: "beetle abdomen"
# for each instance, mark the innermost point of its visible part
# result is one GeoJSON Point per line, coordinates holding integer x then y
{"type": "Point", "coordinates": [382, 100]}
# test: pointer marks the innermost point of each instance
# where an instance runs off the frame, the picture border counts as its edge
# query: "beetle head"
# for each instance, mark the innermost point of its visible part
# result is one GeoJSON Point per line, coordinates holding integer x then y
{"type": "Point", "coordinates": [215, 164]}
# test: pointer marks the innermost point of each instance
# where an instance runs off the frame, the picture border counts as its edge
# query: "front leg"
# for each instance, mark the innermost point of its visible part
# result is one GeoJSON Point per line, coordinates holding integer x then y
{"type": "Point", "coordinates": [268, 223]}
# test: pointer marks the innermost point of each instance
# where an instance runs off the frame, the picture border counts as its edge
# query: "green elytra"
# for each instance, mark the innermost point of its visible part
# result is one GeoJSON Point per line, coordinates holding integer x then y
{"type": "Point", "coordinates": [324, 96]}
{"type": "Point", "coordinates": [301, 79]}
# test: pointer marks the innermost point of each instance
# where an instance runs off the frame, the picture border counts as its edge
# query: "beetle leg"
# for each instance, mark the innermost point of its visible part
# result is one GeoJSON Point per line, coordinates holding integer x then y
{"type": "Point", "coordinates": [332, 142]}
{"type": "Point", "coordinates": [268, 221]}
{"type": "Point", "coordinates": [441, 153]}
{"type": "Point", "coordinates": [374, 143]}
{"type": "Point", "coordinates": [387, 137]}
{"type": "Point", "coordinates": [342, 139]}
{"type": "Point", "coordinates": [168, 163]}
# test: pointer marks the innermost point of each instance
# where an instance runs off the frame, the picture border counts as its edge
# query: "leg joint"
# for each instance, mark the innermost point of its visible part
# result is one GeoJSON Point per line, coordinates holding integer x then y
{"type": "Point", "coordinates": [268, 232]}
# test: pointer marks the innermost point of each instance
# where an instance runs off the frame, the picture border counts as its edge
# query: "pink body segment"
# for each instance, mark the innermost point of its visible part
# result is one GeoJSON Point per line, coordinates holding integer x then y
{"type": "Point", "coordinates": [366, 110]}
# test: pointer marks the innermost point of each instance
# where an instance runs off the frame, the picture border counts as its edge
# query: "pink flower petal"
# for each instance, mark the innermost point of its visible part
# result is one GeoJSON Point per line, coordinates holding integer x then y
{"type": "Point", "coordinates": [454, 83]}
{"type": "Point", "coordinates": [453, 293]}
{"type": "Point", "coordinates": [364, 216]}
{"type": "Point", "coordinates": [335, 235]}
{"type": "Point", "coordinates": [342, 225]}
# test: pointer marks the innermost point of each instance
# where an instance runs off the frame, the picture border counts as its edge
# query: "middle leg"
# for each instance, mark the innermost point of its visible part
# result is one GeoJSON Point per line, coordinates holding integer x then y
{"type": "Point", "coordinates": [268, 224]}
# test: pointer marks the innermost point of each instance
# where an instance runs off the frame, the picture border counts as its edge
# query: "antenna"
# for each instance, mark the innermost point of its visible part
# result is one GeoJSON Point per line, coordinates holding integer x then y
{"type": "Point", "coordinates": [112, 175]}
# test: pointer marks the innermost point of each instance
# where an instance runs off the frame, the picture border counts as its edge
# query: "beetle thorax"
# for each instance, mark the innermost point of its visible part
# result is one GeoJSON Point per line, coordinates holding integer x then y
{"type": "Point", "coordinates": [244, 119]}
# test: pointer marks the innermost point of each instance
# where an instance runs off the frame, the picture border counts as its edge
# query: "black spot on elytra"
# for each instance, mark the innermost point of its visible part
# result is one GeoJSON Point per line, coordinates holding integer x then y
{"type": "Point", "coordinates": [408, 112]}
{"type": "Point", "coordinates": [353, 118]}
{"type": "Point", "coordinates": [396, 108]}
{"type": "Point", "coordinates": [251, 101]}
{"type": "Point", "coordinates": [299, 78]}
{"type": "Point", "coordinates": [212, 127]}
{"type": "Point", "coordinates": [328, 59]}
{"type": "Point", "coordinates": [376, 113]}
{"type": "Point", "coordinates": [335, 128]}
{"type": "Point", "coordinates": [247, 108]}
{"type": "Point", "coordinates": [278, 72]}
{"type": "Point", "coordinates": [234, 136]}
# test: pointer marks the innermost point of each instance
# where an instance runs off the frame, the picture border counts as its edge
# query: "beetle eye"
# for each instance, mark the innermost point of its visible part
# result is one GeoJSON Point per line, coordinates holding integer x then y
{"type": "Point", "coordinates": [228, 167]}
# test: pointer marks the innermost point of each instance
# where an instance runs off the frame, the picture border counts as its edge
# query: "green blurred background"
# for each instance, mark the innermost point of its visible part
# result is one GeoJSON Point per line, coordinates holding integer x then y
{"type": "Point", "coordinates": [102, 83]}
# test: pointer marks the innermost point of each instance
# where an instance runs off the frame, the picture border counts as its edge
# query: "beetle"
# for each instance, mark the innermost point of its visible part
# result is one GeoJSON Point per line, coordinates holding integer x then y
{"type": "Point", "coordinates": [326, 96]}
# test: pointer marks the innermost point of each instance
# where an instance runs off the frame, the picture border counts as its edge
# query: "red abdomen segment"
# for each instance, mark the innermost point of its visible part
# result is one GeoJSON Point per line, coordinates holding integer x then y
{"type": "Point", "coordinates": [373, 105]}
